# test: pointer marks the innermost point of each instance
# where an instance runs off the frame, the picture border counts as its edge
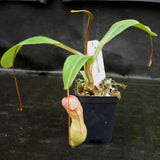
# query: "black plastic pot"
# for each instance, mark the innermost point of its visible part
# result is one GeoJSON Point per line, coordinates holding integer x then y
{"type": "Point", "coordinates": [99, 115]}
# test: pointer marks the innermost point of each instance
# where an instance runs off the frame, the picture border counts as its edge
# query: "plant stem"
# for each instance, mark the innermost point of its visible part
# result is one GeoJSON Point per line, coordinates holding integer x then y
{"type": "Point", "coordinates": [90, 18]}
{"type": "Point", "coordinates": [88, 69]}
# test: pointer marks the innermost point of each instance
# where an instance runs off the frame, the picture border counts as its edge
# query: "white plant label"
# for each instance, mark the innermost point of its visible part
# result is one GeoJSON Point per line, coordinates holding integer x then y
{"type": "Point", "coordinates": [98, 67]}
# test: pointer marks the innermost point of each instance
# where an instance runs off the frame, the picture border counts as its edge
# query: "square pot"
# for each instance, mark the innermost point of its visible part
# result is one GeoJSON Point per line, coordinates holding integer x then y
{"type": "Point", "coordinates": [99, 115]}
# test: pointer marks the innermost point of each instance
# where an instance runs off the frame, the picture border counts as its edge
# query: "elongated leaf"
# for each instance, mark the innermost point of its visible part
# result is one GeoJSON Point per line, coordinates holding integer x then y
{"type": "Point", "coordinates": [117, 28]}
{"type": "Point", "coordinates": [71, 67]}
{"type": "Point", "coordinates": [8, 57]}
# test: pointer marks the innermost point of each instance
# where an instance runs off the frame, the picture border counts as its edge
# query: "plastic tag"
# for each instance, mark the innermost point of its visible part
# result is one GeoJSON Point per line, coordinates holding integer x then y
{"type": "Point", "coordinates": [98, 67]}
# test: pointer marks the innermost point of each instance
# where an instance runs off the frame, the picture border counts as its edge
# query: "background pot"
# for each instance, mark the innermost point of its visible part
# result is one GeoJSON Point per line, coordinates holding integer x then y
{"type": "Point", "coordinates": [99, 115]}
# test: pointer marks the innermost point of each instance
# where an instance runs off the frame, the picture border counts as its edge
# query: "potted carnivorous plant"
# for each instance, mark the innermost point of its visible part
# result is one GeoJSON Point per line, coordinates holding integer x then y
{"type": "Point", "coordinates": [94, 98]}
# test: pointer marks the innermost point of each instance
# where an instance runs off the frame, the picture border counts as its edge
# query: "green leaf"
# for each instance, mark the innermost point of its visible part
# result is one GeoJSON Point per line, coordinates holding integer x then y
{"type": "Point", "coordinates": [71, 67]}
{"type": "Point", "coordinates": [84, 75]}
{"type": "Point", "coordinates": [117, 28]}
{"type": "Point", "coordinates": [8, 57]}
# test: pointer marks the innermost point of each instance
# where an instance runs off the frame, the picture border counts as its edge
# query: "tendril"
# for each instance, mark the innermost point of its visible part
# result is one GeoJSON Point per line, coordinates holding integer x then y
{"type": "Point", "coordinates": [18, 93]}
{"type": "Point", "coordinates": [69, 119]}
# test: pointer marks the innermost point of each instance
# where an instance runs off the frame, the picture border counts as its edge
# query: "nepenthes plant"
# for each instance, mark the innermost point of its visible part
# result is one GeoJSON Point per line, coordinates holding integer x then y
{"type": "Point", "coordinates": [73, 65]}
